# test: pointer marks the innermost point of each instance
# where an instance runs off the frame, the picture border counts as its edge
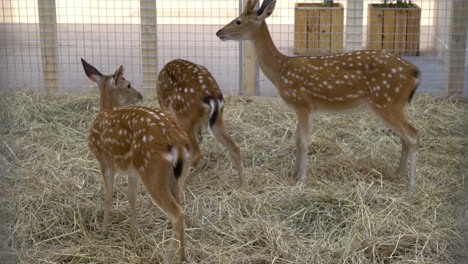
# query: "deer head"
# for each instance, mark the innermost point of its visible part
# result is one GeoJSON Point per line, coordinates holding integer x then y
{"type": "Point", "coordinates": [248, 23]}
{"type": "Point", "coordinates": [115, 90]}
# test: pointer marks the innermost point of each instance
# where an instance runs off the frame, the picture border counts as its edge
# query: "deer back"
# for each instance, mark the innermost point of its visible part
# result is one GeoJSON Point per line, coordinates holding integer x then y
{"type": "Point", "coordinates": [186, 88]}
{"type": "Point", "coordinates": [344, 80]}
{"type": "Point", "coordinates": [135, 136]}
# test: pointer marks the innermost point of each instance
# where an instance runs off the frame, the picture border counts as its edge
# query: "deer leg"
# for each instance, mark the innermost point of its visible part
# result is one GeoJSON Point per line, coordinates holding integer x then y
{"type": "Point", "coordinates": [302, 143]}
{"type": "Point", "coordinates": [409, 144]}
{"type": "Point", "coordinates": [409, 137]}
{"type": "Point", "coordinates": [177, 218]}
{"type": "Point", "coordinates": [199, 135]}
{"type": "Point", "coordinates": [297, 164]}
{"type": "Point", "coordinates": [176, 185]}
{"type": "Point", "coordinates": [192, 128]}
{"type": "Point", "coordinates": [133, 181]}
{"type": "Point", "coordinates": [412, 176]}
{"type": "Point", "coordinates": [413, 139]}
{"type": "Point", "coordinates": [404, 157]}
{"type": "Point", "coordinates": [159, 185]}
{"type": "Point", "coordinates": [195, 153]}
{"type": "Point", "coordinates": [178, 192]}
{"type": "Point", "coordinates": [222, 135]}
{"type": "Point", "coordinates": [108, 173]}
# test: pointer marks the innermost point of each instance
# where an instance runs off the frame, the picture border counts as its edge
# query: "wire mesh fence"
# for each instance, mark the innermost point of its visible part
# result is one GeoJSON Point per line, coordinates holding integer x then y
{"type": "Point", "coordinates": [186, 29]}
{"type": "Point", "coordinates": [42, 41]}
{"type": "Point", "coordinates": [421, 34]}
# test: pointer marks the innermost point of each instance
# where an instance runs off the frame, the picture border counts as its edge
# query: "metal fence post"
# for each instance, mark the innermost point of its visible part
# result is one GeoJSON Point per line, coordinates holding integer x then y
{"type": "Point", "coordinates": [149, 48]}
{"type": "Point", "coordinates": [49, 44]}
{"type": "Point", "coordinates": [354, 22]}
{"type": "Point", "coordinates": [457, 48]}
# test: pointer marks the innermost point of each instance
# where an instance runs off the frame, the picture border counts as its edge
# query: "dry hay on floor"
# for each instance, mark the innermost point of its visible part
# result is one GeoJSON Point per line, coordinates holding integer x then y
{"type": "Point", "coordinates": [357, 211]}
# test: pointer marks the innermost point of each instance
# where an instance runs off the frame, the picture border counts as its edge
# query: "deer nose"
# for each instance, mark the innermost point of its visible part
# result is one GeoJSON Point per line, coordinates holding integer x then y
{"type": "Point", "coordinates": [217, 33]}
{"type": "Point", "coordinates": [140, 97]}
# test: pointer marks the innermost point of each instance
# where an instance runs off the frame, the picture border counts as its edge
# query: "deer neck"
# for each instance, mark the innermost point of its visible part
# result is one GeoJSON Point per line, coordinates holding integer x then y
{"type": "Point", "coordinates": [106, 100]}
{"type": "Point", "coordinates": [271, 61]}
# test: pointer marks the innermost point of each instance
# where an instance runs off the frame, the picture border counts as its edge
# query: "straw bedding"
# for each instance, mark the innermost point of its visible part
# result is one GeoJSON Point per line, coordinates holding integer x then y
{"type": "Point", "coordinates": [354, 210]}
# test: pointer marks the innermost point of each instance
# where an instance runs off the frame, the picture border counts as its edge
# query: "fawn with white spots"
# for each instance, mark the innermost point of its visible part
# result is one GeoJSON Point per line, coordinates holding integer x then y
{"type": "Point", "coordinates": [337, 82]}
{"type": "Point", "coordinates": [145, 143]}
{"type": "Point", "coordinates": [189, 92]}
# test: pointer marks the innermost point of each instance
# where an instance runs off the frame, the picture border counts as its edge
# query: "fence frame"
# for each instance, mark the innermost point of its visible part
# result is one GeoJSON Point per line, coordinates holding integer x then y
{"type": "Point", "coordinates": [248, 64]}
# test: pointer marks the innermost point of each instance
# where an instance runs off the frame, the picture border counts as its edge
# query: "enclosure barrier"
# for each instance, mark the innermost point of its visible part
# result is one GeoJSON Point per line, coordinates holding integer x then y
{"type": "Point", "coordinates": [45, 38]}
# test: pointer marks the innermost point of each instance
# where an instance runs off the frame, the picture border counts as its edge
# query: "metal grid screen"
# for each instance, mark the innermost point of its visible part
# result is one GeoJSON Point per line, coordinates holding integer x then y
{"type": "Point", "coordinates": [421, 35]}
{"type": "Point", "coordinates": [20, 53]}
{"type": "Point", "coordinates": [186, 29]}
{"type": "Point", "coordinates": [41, 41]}
{"type": "Point", "coordinates": [44, 40]}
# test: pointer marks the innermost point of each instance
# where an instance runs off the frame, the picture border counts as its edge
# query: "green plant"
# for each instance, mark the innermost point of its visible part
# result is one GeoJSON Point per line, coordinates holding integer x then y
{"type": "Point", "coordinates": [399, 3]}
{"type": "Point", "coordinates": [327, 3]}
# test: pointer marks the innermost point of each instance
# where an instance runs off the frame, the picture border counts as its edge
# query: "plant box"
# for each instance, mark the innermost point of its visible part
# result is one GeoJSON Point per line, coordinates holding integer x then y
{"type": "Point", "coordinates": [317, 29]}
{"type": "Point", "coordinates": [394, 29]}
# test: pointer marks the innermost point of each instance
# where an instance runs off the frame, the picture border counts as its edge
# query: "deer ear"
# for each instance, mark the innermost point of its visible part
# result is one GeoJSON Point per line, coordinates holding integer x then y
{"type": "Point", "coordinates": [250, 4]}
{"type": "Point", "coordinates": [266, 9]}
{"type": "Point", "coordinates": [92, 73]}
{"type": "Point", "coordinates": [118, 74]}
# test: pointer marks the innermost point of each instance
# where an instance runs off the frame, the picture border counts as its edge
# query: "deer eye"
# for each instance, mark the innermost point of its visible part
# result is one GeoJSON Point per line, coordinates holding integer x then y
{"type": "Point", "coordinates": [238, 22]}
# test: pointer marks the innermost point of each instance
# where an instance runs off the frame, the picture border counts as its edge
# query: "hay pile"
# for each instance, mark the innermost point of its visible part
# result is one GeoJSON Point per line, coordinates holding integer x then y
{"type": "Point", "coordinates": [357, 211]}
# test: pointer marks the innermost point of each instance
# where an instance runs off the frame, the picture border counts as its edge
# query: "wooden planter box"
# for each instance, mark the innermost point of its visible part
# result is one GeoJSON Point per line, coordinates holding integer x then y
{"type": "Point", "coordinates": [394, 29]}
{"type": "Point", "coordinates": [317, 29]}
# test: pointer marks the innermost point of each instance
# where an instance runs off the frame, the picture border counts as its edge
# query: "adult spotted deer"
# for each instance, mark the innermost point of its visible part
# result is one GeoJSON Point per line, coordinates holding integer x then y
{"type": "Point", "coordinates": [189, 92]}
{"type": "Point", "coordinates": [337, 82]}
{"type": "Point", "coordinates": [146, 143]}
